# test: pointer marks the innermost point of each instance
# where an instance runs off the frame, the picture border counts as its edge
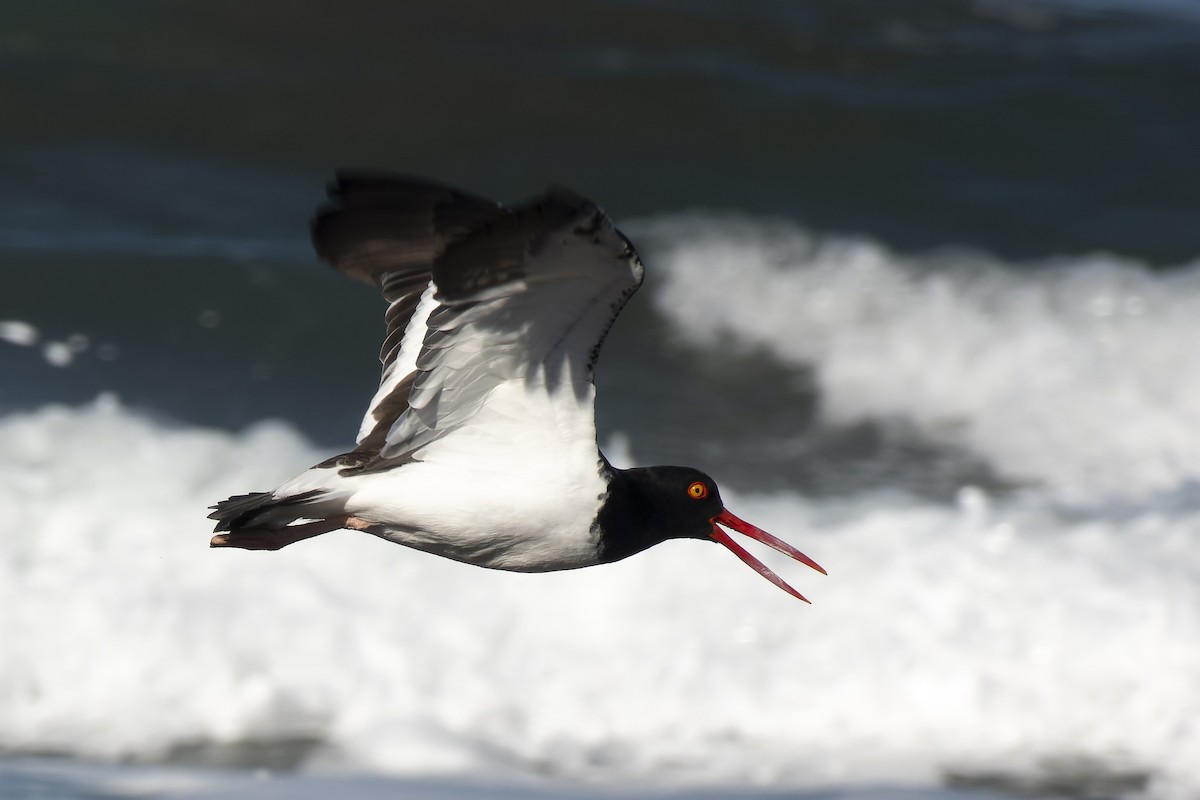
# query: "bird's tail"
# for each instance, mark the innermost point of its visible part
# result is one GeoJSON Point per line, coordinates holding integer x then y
{"type": "Point", "coordinates": [264, 521]}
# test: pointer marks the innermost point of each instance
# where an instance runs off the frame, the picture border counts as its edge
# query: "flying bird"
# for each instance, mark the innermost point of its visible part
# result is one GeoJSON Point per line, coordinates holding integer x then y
{"type": "Point", "coordinates": [480, 442]}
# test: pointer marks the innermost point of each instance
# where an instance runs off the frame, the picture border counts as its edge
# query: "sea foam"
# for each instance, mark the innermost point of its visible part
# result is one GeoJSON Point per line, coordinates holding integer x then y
{"type": "Point", "coordinates": [1079, 375]}
{"type": "Point", "coordinates": [1049, 630]}
{"type": "Point", "coordinates": [994, 635]}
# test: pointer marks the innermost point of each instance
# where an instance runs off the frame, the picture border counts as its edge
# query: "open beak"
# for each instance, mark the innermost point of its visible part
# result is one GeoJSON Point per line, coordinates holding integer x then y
{"type": "Point", "coordinates": [759, 535]}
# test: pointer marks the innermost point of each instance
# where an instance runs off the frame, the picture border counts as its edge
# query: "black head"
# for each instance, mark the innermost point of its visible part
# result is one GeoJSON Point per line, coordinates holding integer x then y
{"type": "Point", "coordinates": [649, 505]}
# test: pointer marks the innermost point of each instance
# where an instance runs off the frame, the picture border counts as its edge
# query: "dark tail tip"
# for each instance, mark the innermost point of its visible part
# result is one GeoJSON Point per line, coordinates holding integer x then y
{"type": "Point", "coordinates": [234, 511]}
{"type": "Point", "coordinates": [252, 539]}
{"type": "Point", "coordinates": [275, 538]}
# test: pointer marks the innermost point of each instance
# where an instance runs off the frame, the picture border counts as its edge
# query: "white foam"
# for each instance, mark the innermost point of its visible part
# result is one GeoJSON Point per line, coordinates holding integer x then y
{"type": "Point", "coordinates": [986, 636]}
{"type": "Point", "coordinates": [56, 353]}
{"type": "Point", "coordinates": [15, 331]}
{"type": "Point", "coordinates": [1081, 374]}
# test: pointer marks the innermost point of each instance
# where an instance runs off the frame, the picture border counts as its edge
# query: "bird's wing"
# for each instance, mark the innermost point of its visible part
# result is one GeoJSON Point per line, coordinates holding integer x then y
{"type": "Point", "coordinates": [388, 230]}
{"type": "Point", "coordinates": [519, 297]}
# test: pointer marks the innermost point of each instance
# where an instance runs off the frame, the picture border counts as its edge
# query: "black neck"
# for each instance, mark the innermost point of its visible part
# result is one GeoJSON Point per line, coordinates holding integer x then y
{"type": "Point", "coordinates": [630, 521]}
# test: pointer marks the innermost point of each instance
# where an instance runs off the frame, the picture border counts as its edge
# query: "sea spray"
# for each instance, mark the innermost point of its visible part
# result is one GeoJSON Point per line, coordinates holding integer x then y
{"type": "Point", "coordinates": [991, 635]}
{"type": "Point", "coordinates": [1080, 374]}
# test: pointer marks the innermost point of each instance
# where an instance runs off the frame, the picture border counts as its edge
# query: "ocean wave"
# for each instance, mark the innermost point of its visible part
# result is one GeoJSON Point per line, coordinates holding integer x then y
{"type": "Point", "coordinates": [992, 636]}
{"type": "Point", "coordinates": [1075, 373]}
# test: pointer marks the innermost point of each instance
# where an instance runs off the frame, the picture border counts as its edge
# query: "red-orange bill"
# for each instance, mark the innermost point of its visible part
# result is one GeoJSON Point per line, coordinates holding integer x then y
{"type": "Point", "coordinates": [759, 535]}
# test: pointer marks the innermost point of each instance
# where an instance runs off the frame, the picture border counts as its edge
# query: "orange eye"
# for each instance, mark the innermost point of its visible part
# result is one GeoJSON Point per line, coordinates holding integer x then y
{"type": "Point", "coordinates": [697, 491]}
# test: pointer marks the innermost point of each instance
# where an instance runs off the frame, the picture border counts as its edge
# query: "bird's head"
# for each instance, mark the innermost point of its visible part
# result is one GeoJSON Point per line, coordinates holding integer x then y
{"type": "Point", "coordinates": [652, 504]}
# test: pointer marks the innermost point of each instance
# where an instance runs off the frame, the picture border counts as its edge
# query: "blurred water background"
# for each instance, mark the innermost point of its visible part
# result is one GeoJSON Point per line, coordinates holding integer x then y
{"type": "Point", "coordinates": [923, 293]}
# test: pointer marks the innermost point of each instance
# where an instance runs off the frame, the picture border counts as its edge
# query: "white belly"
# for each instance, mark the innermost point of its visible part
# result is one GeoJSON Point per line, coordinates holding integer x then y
{"type": "Point", "coordinates": [516, 487]}
{"type": "Point", "coordinates": [527, 521]}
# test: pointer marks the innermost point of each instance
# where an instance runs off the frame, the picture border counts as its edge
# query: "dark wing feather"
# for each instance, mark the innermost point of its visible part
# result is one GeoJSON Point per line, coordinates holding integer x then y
{"type": "Point", "coordinates": [388, 230]}
{"type": "Point", "coordinates": [528, 298]}
{"type": "Point", "coordinates": [525, 294]}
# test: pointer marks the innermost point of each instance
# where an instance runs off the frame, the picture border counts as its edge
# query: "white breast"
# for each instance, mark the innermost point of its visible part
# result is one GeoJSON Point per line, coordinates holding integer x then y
{"type": "Point", "coordinates": [498, 492]}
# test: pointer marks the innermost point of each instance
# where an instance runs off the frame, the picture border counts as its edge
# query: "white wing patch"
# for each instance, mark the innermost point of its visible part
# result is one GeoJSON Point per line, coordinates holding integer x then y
{"type": "Point", "coordinates": [404, 364]}
{"type": "Point", "coordinates": [541, 332]}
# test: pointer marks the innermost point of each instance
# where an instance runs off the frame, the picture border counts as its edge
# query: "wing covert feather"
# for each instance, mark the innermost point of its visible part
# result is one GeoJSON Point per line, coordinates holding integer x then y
{"type": "Point", "coordinates": [479, 296]}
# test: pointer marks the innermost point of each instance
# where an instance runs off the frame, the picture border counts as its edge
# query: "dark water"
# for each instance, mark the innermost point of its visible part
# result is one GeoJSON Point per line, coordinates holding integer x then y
{"type": "Point", "coordinates": [158, 163]}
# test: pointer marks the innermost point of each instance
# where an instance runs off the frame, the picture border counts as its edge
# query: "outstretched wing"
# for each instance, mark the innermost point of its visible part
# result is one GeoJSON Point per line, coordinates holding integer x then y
{"type": "Point", "coordinates": [482, 297]}
{"type": "Point", "coordinates": [388, 230]}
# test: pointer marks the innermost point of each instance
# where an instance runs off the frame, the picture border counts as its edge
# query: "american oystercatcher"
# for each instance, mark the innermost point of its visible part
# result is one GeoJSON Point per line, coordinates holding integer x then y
{"type": "Point", "coordinates": [480, 443]}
